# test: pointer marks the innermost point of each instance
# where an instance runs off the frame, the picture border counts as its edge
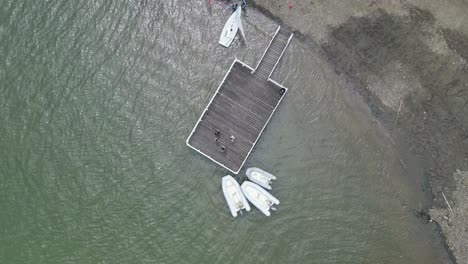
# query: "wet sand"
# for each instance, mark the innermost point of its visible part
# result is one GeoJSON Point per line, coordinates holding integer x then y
{"type": "Point", "coordinates": [409, 62]}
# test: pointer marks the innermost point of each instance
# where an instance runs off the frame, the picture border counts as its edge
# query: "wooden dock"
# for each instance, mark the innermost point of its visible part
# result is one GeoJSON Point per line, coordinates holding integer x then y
{"type": "Point", "coordinates": [240, 109]}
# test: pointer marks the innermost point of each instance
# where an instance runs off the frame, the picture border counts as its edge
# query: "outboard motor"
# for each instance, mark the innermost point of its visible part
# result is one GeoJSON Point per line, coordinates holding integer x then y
{"type": "Point", "coordinates": [234, 8]}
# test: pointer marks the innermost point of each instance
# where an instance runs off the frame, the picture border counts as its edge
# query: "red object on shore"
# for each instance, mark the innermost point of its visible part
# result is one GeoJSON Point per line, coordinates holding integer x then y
{"type": "Point", "coordinates": [209, 2]}
{"type": "Point", "coordinates": [290, 5]}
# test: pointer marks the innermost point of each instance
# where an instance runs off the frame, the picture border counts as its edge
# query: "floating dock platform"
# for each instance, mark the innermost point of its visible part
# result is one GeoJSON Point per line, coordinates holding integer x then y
{"type": "Point", "coordinates": [242, 106]}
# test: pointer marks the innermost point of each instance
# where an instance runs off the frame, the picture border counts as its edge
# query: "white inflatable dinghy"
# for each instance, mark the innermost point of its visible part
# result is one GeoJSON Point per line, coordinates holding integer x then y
{"type": "Point", "coordinates": [259, 197]}
{"type": "Point", "coordinates": [233, 194]}
{"type": "Point", "coordinates": [230, 28]}
{"type": "Point", "coordinates": [260, 177]}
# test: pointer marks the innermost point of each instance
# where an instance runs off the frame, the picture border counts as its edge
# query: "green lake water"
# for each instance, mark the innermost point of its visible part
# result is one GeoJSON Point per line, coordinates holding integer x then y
{"type": "Point", "coordinates": [97, 99]}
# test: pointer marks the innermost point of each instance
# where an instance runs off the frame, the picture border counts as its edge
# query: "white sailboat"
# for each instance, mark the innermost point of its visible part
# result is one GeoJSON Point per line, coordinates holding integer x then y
{"type": "Point", "coordinates": [259, 197]}
{"type": "Point", "coordinates": [230, 28]}
{"type": "Point", "coordinates": [260, 177]}
{"type": "Point", "coordinates": [233, 195]}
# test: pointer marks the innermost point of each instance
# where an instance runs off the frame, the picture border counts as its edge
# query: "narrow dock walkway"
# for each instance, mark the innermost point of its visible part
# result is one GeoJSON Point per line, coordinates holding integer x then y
{"type": "Point", "coordinates": [272, 55]}
{"type": "Point", "coordinates": [236, 116]}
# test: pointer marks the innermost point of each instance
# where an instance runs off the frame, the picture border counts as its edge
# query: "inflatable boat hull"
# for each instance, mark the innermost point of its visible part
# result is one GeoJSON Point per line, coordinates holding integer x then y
{"type": "Point", "coordinates": [260, 177]}
{"type": "Point", "coordinates": [233, 195]}
{"type": "Point", "coordinates": [259, 197]}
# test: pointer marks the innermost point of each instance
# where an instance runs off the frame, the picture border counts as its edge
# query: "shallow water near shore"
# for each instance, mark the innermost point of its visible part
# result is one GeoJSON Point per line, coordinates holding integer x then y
{"type": "Point", "coordinates": [97, 101]}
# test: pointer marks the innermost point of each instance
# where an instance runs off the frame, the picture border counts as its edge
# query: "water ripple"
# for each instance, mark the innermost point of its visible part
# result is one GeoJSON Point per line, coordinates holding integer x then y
{"type": "Point", "coordinates": [97, 100]}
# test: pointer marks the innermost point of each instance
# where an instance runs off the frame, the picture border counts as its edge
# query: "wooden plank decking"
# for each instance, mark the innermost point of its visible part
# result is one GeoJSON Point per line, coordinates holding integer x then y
{"type": "Point", "coordinates": [241, 107]}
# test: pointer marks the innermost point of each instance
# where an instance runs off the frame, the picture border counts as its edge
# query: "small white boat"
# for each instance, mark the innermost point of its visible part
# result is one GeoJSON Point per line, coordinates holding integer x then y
{"type": "Point", "coordinates": [260, 177]}
{"type": "Point", "coordinates": [259, 197]}
{"type": "Point", "coordinates": [230, 28]}
{"type": "Point", "coordinates": [233, 194]}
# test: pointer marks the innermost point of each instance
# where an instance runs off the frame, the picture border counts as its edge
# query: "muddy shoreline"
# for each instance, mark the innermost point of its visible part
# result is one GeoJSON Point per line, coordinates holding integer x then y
{"type": "Point", "coordinates": [409, 63]}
